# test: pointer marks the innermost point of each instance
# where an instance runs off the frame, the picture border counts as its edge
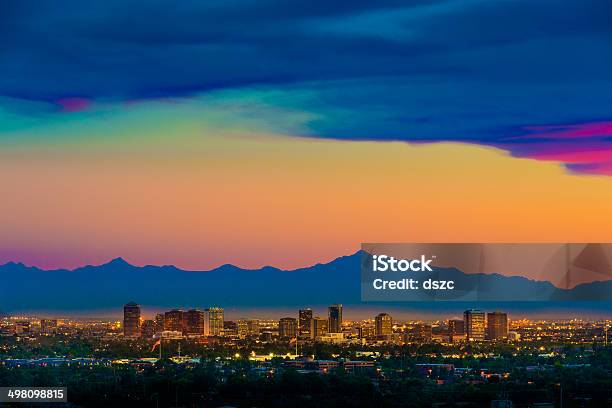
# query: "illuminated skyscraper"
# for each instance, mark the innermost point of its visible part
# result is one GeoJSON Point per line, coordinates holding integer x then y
{"type": "Point", "coordinates": [131, 320]}
{"type": "Point", "coordinates": [174, 321]}
{"type": "Point", "coordinates": [230, 328]}
{"type": "Point", "coordinates": [305, 317]}
{"type": "Point", "coordinates": [213, 324]}
{"type": "Point", "coordinates": [421, 333]}
{"type": "Point", "coordinates": [194, 322]}
{"type": "Point", "coordinates": [335, 318]}
{"type": "Point", "coordinates": [474, 322]}
{"type": "Point", "coordinates": [456, 327]}
{"type": "Point", "coordinates": [318, 327]}
{"type": "Point", "coordinates": [384, 325]}
{"type": "Point", "coordinates": [147, 329]}
{"type": "Point", "coordinates": [287, 327]}
{"type": "Point", "coordinates": [247, 328]}
{"type": "Point", "coordinates": [497, 326]}
{"type": "Point", "coordinates": [456, 330]}
{"type": "Point", "coordinates": [159, 322]}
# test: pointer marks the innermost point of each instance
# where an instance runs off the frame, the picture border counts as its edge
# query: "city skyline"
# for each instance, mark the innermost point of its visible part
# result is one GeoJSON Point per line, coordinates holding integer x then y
{"type": "Point", "coordinates": [487, 349]}
{"type": "Point", "coordinates": [556, 311]}
{"type": "Point", "coordinates": [490, 319]}
{"type": "Point", "coordinates": [534, 356]}
{"type": "Point", "coordinates": [281, 203]}
{"type": "Point", "coordinates": [476, 326]}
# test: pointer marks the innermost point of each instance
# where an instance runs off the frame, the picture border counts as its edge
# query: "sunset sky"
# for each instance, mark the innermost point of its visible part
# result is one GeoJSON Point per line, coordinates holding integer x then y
{"type": "Point", "coordinates": [260, 133]}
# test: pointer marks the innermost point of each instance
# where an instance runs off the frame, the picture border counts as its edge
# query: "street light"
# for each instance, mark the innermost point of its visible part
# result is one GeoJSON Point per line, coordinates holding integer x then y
{"type": "Point", "coordinates": [560, 394]}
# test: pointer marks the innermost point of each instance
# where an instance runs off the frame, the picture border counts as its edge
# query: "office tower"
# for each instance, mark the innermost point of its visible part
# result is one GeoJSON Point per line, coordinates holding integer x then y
{"type": "Point", "coordinates": [174, 321]}
{"type": "Point", "coordinates": [474, 324]}
{"type": "Point", "coordinates": [159, 322]}
{"type": "Point", "coordinates": [243, 328]}
{"type": "Point", "coordinates": [305, 317]}
{"type": "Point", "coordinates": [456, 327]}
{"type": "Point", "coordinates": [421, 333]}
{"type": "Point", "coordinates": [213, 325]}
{"type": "Point", "coordinates": [247, 328]}
{"type": "Point", "coordinates": [147, 329]}
{"type": "Point", "coordinates": [367, 331]}
{"type": "Point", "coordinates": [358, 331]}
{"type": "Point", "coordinates": [194, 322]}
{"type": "Point", "coordinates": [48, 326]}
{"type": "Point", "coordinates": [230, 328]}
{"type": "Point", "coordinates": [384, 325]}
{"type": "Point", "coordinates": [287, 327]}
{"type": "Point", "coordinates": [131, 320]}
{"type": "Point", "coordinates": [335, 318]}
{"type": "Point", "coordinates": [497, 326]}
{"type": "Point", "coordinates": [318, 327]}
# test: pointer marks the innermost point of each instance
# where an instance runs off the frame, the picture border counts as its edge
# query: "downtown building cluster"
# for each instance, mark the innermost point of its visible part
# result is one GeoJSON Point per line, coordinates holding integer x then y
{"type": "Point", "coordinates": [476, 325]}
{"type": "Point", "coordinates": [307, 327]}
{"type": "Point", "coordinates": [174, 323]}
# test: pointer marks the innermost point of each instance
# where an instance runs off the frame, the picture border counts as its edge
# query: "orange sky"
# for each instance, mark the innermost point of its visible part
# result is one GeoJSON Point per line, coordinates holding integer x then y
{"type": "Point", "coordinates": [199, 197]}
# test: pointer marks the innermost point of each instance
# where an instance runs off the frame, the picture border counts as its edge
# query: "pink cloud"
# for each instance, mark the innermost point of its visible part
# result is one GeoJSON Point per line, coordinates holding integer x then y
{"type": "Point", "coordinates": [75, 104]}
{"type": "Point", "coordinates": [583, 147]}
{"type": "Point", "coordinates": [581, 130]}
{"type": "Point", "coordinates": [574, 156]}
{"type": "Point", "coordinates": [603, 169]}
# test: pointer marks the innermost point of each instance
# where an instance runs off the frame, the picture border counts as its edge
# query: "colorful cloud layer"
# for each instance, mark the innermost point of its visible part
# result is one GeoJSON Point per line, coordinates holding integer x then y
{"type": "Point", "coordinates": [273, 132]}
{"type": "Point", "coordinates": [533, 78]}
{"type": "Point", "coordinates": [205, 181]}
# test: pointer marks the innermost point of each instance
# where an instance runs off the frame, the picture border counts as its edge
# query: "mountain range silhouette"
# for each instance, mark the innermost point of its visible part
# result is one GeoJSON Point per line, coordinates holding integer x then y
{"type": "Point", "coordinates": [113, 283]}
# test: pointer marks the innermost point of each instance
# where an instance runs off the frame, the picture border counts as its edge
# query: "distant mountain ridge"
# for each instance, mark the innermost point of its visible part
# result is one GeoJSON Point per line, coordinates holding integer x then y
{"type": "Point", "coordinates": [112, 284]}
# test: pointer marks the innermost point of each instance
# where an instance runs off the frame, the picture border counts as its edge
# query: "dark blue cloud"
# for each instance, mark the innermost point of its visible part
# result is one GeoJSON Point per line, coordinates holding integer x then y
{"type": "Point", "coordinates": [123, 49]}
{"type": "Point", "coordinates": [472, 71]}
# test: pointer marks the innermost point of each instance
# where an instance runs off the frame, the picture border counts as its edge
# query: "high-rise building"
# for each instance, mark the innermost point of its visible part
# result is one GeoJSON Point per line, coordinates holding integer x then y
{"type": "Point", "coordinates": [421, 333]}
{"type": "Point", "coordinates": [147, 330]}
{"type": "Point", "coordinates": [174, 321]}
{"type": "Point", "coordinates": [456, 330]}
{"type": "Point", "coordinates": [48, 326]}
{"type": "Point", "coordinates": [247, 328]}
{"type": "Point", "coordinates": [287, 327]}
{"type": "Point", "coordinates": [497, 326]}
{"type": "Point", "coordinates": [194, 322]}
{"type": "Point", "coordinates": [131, 320]}
{"type": "Point", "coordinates": [213, 324]}
{"type": "Point", "coordinates": [318, 327]}
{"type": "Point", "coordinates": [384, 325]}
{"type": "Point", "coordinates": [159, 322]}
{"type": "Point", "coordinates": [456, 327]}
{"type": "Point", "coordinates": [230, 328]}
{"type": "Point", "coordinates": [335, 318]}
{"type": "Point", "coordinates": [367, 331]}
{"type": "Point", "coordinates": [305, 317]}
{"type": "Point", "coordinates": [358, 330]}
{"type": "Point", "coordinates": [474, 323]}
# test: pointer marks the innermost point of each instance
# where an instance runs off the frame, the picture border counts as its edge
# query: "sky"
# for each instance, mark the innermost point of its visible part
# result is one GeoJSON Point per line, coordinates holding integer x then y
{"type": "Point", "coordinates": [282, 133]}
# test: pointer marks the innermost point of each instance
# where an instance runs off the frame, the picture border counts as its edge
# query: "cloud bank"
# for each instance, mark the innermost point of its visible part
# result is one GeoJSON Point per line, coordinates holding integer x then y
{"type": "Point", "coordinates": [532, 78]}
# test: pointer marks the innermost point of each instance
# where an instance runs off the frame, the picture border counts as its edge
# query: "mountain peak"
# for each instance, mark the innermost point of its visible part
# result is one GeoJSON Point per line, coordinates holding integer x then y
{"type": "Point", "coordinates": [12, 264]}
{"type": "Point", "coordinates": [119, 261]}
